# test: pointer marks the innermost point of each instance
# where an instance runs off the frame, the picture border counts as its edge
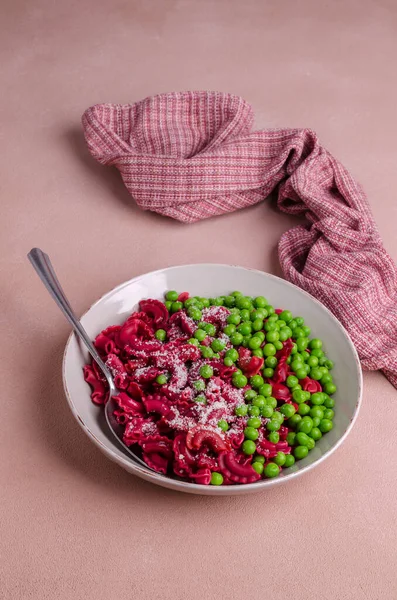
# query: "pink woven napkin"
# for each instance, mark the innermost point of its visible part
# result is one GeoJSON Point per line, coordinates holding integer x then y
{"type": "Point", "coordinates": [193, 155]}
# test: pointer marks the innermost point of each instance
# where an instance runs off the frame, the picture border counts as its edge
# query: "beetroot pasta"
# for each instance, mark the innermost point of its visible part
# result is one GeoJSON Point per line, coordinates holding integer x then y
{"type": "Point", "coordinates": [220, 391]}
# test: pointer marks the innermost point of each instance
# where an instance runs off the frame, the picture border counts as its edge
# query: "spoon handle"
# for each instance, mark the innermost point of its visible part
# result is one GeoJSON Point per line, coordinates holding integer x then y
{"type": "Point", "coordinates": [43, 267]}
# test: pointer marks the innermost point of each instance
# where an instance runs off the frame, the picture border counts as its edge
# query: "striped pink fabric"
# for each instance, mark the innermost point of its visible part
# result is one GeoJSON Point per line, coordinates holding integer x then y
{"type": "Point", "coordinates": [193, 155]}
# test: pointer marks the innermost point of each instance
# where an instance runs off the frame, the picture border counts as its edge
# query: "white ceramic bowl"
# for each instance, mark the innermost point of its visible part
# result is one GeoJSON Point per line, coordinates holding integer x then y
{"type": "Point", "coordinates": [214, 280]}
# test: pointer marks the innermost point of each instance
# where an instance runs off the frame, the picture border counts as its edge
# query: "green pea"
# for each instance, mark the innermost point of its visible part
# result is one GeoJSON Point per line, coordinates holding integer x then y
{"type": "Point", "coordinates": [161, 335]}
{"type": "Point", "coordinates": [305, 425]}
{"type": "Point", "coordinates": [281, 323]}
{"type": "Point", "coordinates": [194, 313]}
{"type": "Point", "coordinates": [317, 353]}
{"type": "Point", "coordinates": [254, 422]}
{"type": "Point", "coordinates": [274, 437]}
{"type": "Point", "coordinates": [271, 361]}
{"type": "Point", "coordinates": [210, 329]}
{"type": "Point", "coordinates": [239, 381]}
{"type": "Point", "coordinates": [273, 424]}
{"type": "Point", "coordinates": [285, 334]}
{"type": "Point", "coordinates": [299, 396]}
{"type": "Point", "coordinates": [245, 316]}
{"type": "Point", "coordinates": [268, 373]}
{"type": "Point", "coordinates": [259, 401]}
{"type": "Point", "coordinates": [237, 294]}
{"type": "Point", "coordinates": [260, 302]}
{"type": "Point", "coordinates": [286, 315]}
{"type": "Point", "coordinates": [258, 352]}
{"type": "Point", "coordinates": [201, 399]}
{"type": "Point", "coordinates": [258, 467]}
{"type": "Point", "coordinates": [234, 319]}
{"type": "Point", "coordinates": [288, 410]}
{"type": "Point", "coordinates": [244, 329]}
{"type": "Point", "coordinates": [200, 335]}
{"type": "Point", "coordinates": [161, 379]}
{"type": "Point", "coordinates": [315, 344]}
{"type": "Point", "coordinates": [241, 410]}
{"type": "Point", "coordinates": [270, 401]}
{"type": "Point", "coordinates": [330, 388]}
{"type": "Point", "coordinates": [301, 452]}
{"type": "Point", "coordinates": [172, 296]}
{"type": "Point", "coordinates": [266, 390]}
{"type": "Point", "coordinates": [315, 374]}
{"type": "Point", "coordinates": [329, 414]}
{"type": "Point", "coordinates": [301, 344]}
{"type": "Point", "coordinates": [301, 373]}
{"type": "Point", "coordinates": [317, 411]}
{"type": "Point", "coordinates": [325, 425]}
{"type": "Point", "coordinates": [272, 336]}
{"type": "Point", "coordinates": [260, 313]}
{"type": "Point", "coordinates": [317, 398]}
{"type": "Point", "coordinates": [269, 350]}
{"type": "Point", "coordinates": [327, 378]}
{"type": "Point", "coordinates": [243, 303]}
{"type": "Point", "coordinates": [249, 447]}
{"type": "Point", "coordinates": [312, 361]}
{"type": "Point", "coordinates": [270, 309]}
{"type": "Point", "coordinates": [298, 332]}
{"type": "Point", "coordinates": [266, 411]}
{"type": "Point", "coordinates": [279, 459]}
{"type": "Point", "coordinates": [257, 325]}
{"type": "Point", "coordinates": [228, 362]}
{"type": "Point", "coordinates": [254, 411]}
{"type": "Point", "coordinates": [232, 354]}
{"type": "Point", "coordinates": [260, 335]}
{"type": "Point", "coordinates": [206, 352]}
{"type": "Point", "coordinates": [292, 381]}
{"type": "Point", "coordinates": [168, 305]}
{"type": "Point", "coordinates": [193, 341]}
{"type": "Point", "coordinates": [297, 363]}
{"type": "Point", "coordinates": [229, 330]}
{"type": "Point", "coordinates": [217, 345]}
{"type": "Point", "coordinates": [199, 385]}
{"type": "Point", "coordinates": [206, 371]}
{"type": "Point", "coordinates": [216, 478]}
{"type": "Point", "coordinates": [218, 301]}
{"type": "Point", "coordinates": [291, 436]}
{"type": "Point", "coordinates": [303, 409]}
{"type": "Point", "coordinates": [294, 420]}
{"type": "Point", "coordinates": [278, 345]}
{"type": "Point", "coordinates": [329, 364]}
{"type": "Point", "coordinates": [329, 402]}
{"type": "Point", "coordinates": [269, 326]}
{"type": "Point", "coordinates": [230, 301]}
{"type": "Point", "coordinates": [302, 439]}
{"type": "Point", "coordinates": [254, 343]}
{"type": "Point", "coordinates": [289, 460]}
{"type": "Point", "coordinates": [271, 470]}
{"type": "Point", "coordinates": [256, 381]}
{"type": "Point", "coordinates": [245, 341]}
{"type": "Point", "coordinates": [236, 339]}
{"type": "Point", "coordinates": [260, 459]}
{"type": "Point", "coordinates": [315, 434]}
{"type": "Point", "coordinates": [175, 306]}
{"type": "Point", "coordinates": [250, 395]}
{"type": "Point", "coordinates": [306, 330]}
{"type": "Point", "coordinates": [189, 302]}
{"type": "Point", "coordinates": [316, 421]}
{"type": "Point", "coordinates": [222, 424]}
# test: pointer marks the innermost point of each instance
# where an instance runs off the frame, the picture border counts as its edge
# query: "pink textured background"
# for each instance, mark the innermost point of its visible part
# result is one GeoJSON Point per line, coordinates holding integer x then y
{"type": "Point", "coordinates": [73, 525]}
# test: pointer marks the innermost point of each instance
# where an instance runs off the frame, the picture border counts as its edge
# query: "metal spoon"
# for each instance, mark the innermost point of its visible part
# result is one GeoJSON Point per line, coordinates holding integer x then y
{"type": "Point", "coordinates": [43, 267]}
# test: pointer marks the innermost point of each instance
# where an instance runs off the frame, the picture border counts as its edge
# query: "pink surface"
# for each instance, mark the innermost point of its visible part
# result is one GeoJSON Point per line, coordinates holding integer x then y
{"type": "Point", "coordinates": [74, 525]}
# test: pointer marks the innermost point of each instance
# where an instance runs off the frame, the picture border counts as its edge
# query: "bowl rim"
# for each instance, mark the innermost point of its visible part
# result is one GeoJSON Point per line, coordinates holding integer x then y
{"type": "Point", "coordinates": [184, 486]}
